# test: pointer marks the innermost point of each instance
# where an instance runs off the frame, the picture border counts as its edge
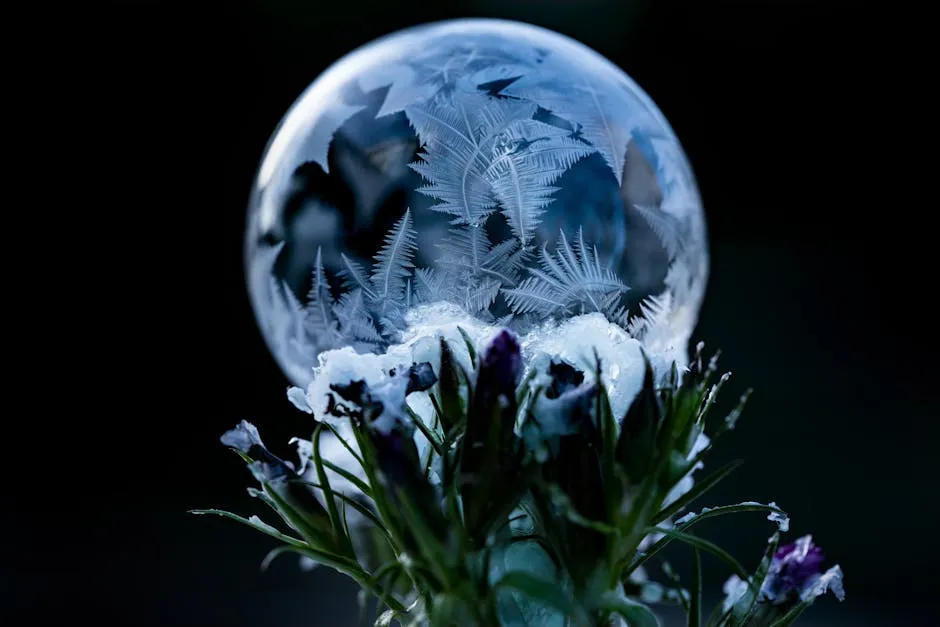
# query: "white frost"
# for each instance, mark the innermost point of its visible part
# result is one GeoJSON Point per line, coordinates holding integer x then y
{"type": "Point", "coordinates": [687, 482]}
{"type": "Point", "coordinates": [575, 339]}
{"type": "Point", "coordinates": [782, 520]}
{"type": "Point", "coordinates": [829, 580]}
{"type": "Point", "coordinates": [734, 589]}
{"type": "Point", "coordinates": [419, 343]}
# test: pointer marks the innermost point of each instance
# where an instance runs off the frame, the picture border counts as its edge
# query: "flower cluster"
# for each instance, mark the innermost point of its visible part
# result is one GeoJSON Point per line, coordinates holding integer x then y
{"type": "Point", "coordinates": [514, 495]}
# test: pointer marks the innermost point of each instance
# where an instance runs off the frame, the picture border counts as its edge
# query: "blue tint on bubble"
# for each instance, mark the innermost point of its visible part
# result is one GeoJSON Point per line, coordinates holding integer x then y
{"type": "Point", "coordinates": [495, 165]}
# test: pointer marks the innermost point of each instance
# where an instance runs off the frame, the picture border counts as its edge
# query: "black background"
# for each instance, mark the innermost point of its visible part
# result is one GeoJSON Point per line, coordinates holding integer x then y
{"type": "Point", "coordinates": [819, 298]}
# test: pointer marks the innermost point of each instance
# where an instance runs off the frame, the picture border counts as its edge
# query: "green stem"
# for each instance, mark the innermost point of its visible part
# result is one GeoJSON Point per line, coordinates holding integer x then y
{"type": "Point", "coordinates": [378, 592]}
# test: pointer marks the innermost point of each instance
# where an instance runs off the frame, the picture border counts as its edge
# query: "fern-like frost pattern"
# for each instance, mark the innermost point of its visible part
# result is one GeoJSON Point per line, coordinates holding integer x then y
{"type": "Point", "coordinates": [519, 147]}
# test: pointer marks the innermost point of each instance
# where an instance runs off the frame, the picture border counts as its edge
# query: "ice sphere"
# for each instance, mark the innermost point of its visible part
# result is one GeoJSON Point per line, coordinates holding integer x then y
{"type": "Point", "coordinates": [500, 167]}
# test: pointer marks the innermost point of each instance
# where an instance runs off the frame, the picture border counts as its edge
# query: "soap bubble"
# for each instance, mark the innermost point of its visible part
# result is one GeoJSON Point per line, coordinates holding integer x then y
{"type": "Point", "coordinates": [494, 165]}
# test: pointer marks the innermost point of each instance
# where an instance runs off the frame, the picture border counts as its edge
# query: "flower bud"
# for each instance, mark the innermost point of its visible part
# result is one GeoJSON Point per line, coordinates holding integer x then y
{"type": "Point", "coordinates": [796, 574]}
{"type": "Point", "coordinates": [276, 475]}
{"type": "Point", "coordinates": [490, 453]}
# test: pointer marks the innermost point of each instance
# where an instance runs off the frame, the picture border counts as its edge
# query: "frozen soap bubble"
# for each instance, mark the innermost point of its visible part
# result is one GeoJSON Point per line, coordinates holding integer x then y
{"type": "Point", "coordinates": [494, 165]}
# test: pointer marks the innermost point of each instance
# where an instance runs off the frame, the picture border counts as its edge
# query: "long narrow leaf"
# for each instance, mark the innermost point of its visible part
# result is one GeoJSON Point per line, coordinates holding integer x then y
{"type": "Point", "coordinates": [705, 515]}
{"type": "Point", "coordinates": [326, 558]}
{"type": "Point", "coordinates": [732, 418]}
{"type": "Point", "coordinates": [719, 618]}
{"type": "Point", "coordinates": [745, 607]}
{"type": "Point", "coordinates": [338, 562]}
{"type": "Point", "coordinates": [255, 523]}
{"type": "Point", "coordinates": [315, 536]}
{"type": "Point", "coordinates": [695, 604]}
{"type": "Point", "coordinates": [393, 568]}
{"type": "Point", "coordinates": [348, 476]}
{"type": "Point", "coordinates": [433, 438]}
{"type": "Point", "coordinates": [339, 535]}
{"type": "Point", "coordinates": [356, 505]}
{"type": "Point", "coordinates": [636, 614]}
{"type": "Point", "coordinates": [698, 490]}
{"type": "Point", "coordinates": [470, 348]}
{"type": "Point", "coordinates": [711, 547]}
{"type": "Point", "coordinates": [608, 424]}
{"type": "Point", "coordinates": [681, 594]}
{"type": "Point", "coordinates": [345, 444]}
{"type": "Point", "coordinates": [434, 553]}
{"type": "Point", "coordinates": [790, 617]}
{"type": "Point", "coordinates": [563, 502]}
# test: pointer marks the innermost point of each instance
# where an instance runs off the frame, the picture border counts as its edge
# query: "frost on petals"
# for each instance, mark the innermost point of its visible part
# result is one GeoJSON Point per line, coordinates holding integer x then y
{"type": "Point", "coordinates": [734, 589]}
{"type": "Point", "coordinates": [829, 580]}
{"type": "Point", "coordinates": [796, 570]}
{"type": "Point", "coordinates": [782, 520]}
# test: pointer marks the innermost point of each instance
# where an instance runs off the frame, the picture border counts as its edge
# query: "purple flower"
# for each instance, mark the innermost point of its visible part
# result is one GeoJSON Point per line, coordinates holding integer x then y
{"type": "Point", "coordinates": [276, 475]}
{"type": "Point", "coordinates": [489, 450]}
{"type": "Point", "coordinates": [564, 377]}
{"type": "Point", "coordinates": [796, 571]}
{"type": "Point", "coordinates": [494, 397]}
{"type": "Point", "coordinates": [501, 364]}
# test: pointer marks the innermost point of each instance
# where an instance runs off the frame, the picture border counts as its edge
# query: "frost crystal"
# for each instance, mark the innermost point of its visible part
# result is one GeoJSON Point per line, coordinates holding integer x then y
{"type": "Point", "coordinates": [492, 166]}
{"type": "Point", "coordinates": [782, 520]}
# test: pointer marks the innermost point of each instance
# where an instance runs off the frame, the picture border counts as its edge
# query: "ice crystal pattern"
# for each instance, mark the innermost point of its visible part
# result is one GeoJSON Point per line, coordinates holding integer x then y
{"type": "Point", "coordinates": [493, 165]}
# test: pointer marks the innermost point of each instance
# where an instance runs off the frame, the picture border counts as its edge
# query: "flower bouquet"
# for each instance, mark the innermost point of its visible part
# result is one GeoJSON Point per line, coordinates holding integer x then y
{"type": "Point", "coordinates": [477, 250]}
{"type": "Point", "coordinates": [520, 500]}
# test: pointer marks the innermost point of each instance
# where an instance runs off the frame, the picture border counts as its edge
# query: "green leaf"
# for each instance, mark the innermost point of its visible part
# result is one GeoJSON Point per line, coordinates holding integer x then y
{"type": "Point", "coordinates": [719, 618]}
{"type": "Point", "coordinates": [731, 419]}
{"type": "Point", "coordinates": [388, 513]}
{"type": "Point", "coordinates": [347, 566]}
{"type": "Point", "coordinates": [274, 554]}
{"type": "Point", "coordinates": [745, 606]}
{"type": "Point", "coordinates": [697, 490]}
{"type": "Point", "coordinates": [470, 348]}
{"type": "Point", "coordinates": [612, 475]}
{"type": "Point", "coordinates": [723, 510]}
{"type": "Point", "coordinates": [348, 476]}
{"type": "Point", "coordinates": [704, 515]}
{"type": "Point", "coordinates": [532, 557]}
{"type": "Point", "coordinates": [433, 552]}
{"type": "Point", "coordinates": [433, 438]}
{"type": "Point", "coordinates": [636, 614]}
{"type": "Point", "coordinates": [695, 605]}
{"type": "Point", "coordinates": [393, 568]}
{"type": "Point", "coordinates": [563, 502]}
{"type": "Point", "coordinates": [338, 562]}
{"type": "Point", "coordinates": [327, 558]}
{"type": "Point", "coordinates": [315, 532]}
{"type": "Point", "coordinates": [790, 617]}
{"type": "Point", "coordinates": [547, 592]}
{"type": "Point", "coordinates": [710, 399]}
{"type": "Point", "coordinates": [525, 387]}
{"type": "Point", "coordinates": [447, 400]}
{"type": "Point", "coordinates": [681, 594]}
{"type": "Point", "coordinates": [711, 547]}
{"type": "Point", "coordinates": [636, 446]}
{"type": "Point", "coordinates": [336, 522]}
{"type": "Point", "coordinates": [356, 505]}
{"type": "Point", "coordinates": [255, 523]}
{"type": "Point", "coordinates": [345, 444]}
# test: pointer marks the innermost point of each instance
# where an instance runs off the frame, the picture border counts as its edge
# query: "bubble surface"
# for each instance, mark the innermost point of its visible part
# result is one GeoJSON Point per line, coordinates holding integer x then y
{"type": "Point", "coordinates": [494, 165]}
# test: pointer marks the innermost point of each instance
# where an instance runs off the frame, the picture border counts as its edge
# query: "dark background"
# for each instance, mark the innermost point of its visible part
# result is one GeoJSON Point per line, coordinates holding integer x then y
{"type": "Point", "coordinates": [819, 298]}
